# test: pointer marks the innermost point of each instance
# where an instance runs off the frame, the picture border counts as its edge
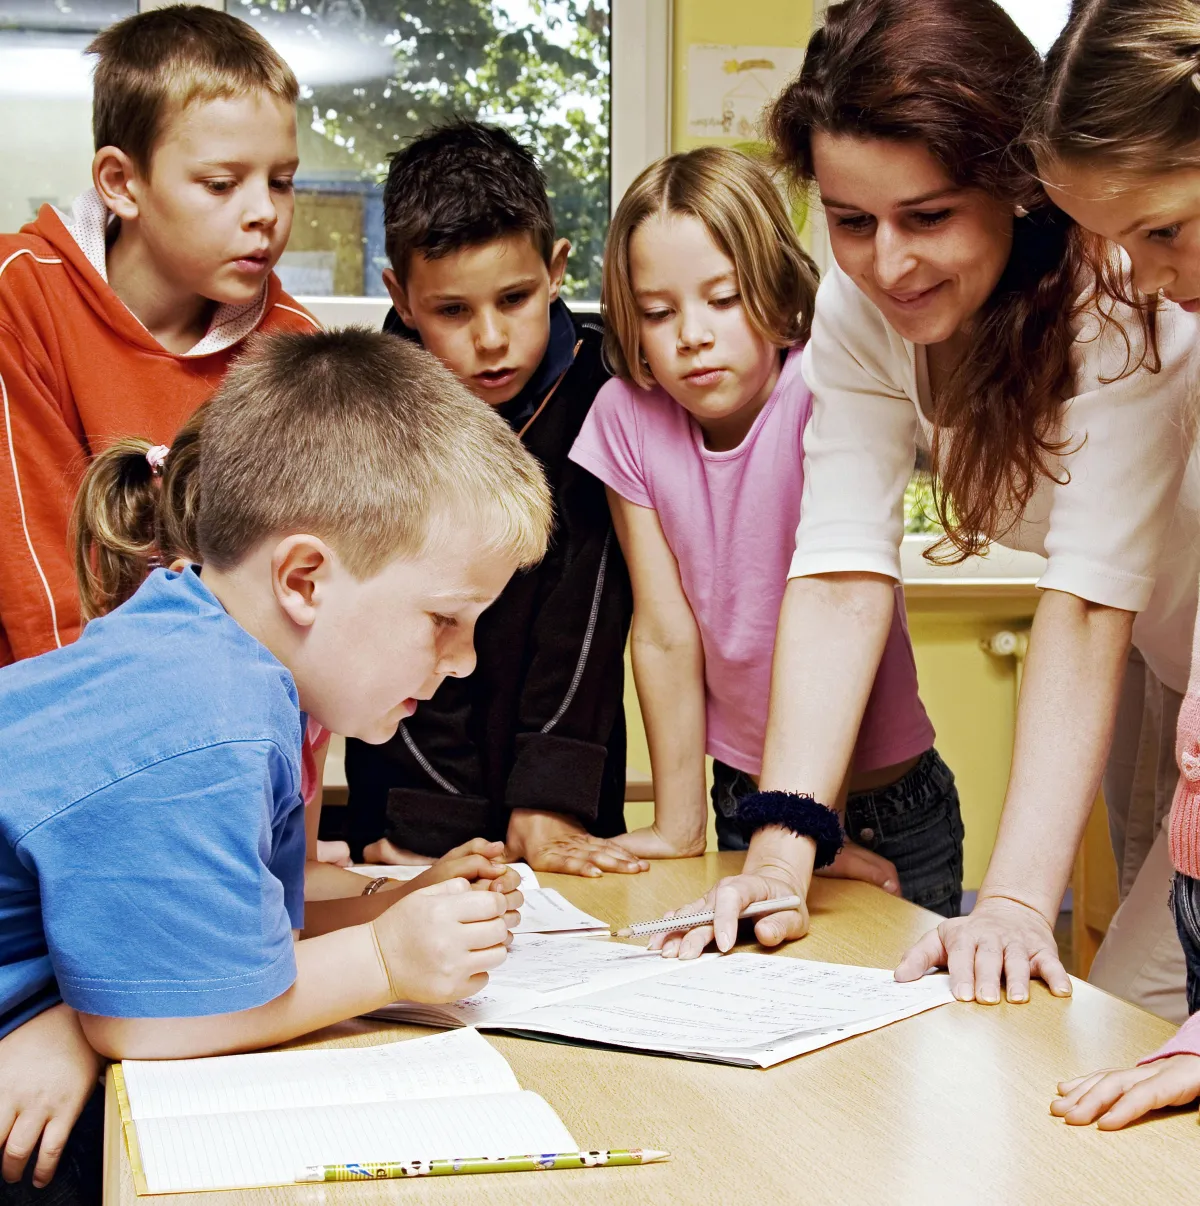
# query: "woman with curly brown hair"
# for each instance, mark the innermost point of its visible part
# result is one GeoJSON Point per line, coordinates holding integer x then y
{"type": "Point", "coordinates": [965, 315]}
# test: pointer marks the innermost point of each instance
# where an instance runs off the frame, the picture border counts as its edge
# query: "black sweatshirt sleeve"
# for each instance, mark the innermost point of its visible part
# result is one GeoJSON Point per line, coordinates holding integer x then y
{"type": "Point", "coordinates": [573, 690]}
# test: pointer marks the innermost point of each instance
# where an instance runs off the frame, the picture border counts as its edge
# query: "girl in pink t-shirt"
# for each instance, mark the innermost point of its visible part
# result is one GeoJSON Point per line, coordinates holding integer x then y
{"type": "Point", "coordinates": [699, 438]}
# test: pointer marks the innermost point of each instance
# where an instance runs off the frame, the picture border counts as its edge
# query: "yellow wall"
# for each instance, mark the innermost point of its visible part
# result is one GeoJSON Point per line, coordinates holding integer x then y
{"type": "Point", "coordinates": [750, 23]}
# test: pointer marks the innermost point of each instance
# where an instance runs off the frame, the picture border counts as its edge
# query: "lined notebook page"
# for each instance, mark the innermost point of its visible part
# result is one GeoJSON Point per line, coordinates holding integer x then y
{"type": "Point", "coordinates": [443, 1065]}
{"type": "Point", "coordinates": [269, 1147]}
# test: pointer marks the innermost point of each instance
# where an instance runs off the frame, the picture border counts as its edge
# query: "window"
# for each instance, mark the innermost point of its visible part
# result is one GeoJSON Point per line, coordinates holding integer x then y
{"type": "Point", "coordinates": [373, 73]}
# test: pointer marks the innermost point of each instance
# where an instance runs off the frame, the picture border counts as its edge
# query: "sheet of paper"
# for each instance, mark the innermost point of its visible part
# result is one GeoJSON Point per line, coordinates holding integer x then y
{"type": "Point", "coordinates": [540, 970]}
{"type": "Point", "coordinates": [546, 911]}
{"type": "Point", "coordinates": [740, 1006]}
{"type": "Point", "coordinates": [529, 879]}
{"type": "Point", "coordinates": [269, 1147]}
{"type": "Point", "coordinates": [442, 1065]}
{"type": "Point", "coordinates": [729, 86]}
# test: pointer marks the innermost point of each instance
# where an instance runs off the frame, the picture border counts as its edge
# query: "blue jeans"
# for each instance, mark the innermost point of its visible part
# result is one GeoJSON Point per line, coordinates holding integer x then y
{"type": "Point", "coordinates": [915, 822]}
{"type": "Point", "coordinates": [1185, 901]}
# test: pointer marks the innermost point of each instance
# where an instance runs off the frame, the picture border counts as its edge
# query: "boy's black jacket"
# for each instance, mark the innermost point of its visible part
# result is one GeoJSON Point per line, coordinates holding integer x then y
{"type": "Point", "coordinates": [540, 723]}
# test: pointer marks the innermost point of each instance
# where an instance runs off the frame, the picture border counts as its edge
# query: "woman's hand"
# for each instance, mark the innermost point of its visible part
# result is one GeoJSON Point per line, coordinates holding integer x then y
{"type": "Point", "coordinates": [727, 898]}
{"type": "Point", "coordinates": [1001, 935]}
{"type": "Point", "coordinates": [1117, 1097]}
{"type": "Point", "coordinates": [47, 1073]}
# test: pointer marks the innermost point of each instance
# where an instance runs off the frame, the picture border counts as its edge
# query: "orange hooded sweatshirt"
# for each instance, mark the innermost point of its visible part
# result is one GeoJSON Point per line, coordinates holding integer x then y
{"type": "Point", "coordinates": [78, 370]}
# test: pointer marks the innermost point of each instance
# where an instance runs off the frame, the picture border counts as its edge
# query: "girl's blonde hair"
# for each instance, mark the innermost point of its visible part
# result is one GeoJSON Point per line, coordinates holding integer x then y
{"type": "Point", "coordinates": [354, 436]}
{"type": "Point", "coordinates": [1122, 87]}
{"type": "Point", "coordinates": [738, 204]}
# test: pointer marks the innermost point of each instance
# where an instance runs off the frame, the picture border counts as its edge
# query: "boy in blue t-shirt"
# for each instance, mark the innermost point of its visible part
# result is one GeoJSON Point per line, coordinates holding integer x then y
{"type": "Point", "coordinates": [357, 512]}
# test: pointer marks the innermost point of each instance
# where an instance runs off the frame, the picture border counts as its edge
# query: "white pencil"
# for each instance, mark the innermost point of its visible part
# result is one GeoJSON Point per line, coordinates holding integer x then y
{"type": "Point", "coordinates": [689, 921]}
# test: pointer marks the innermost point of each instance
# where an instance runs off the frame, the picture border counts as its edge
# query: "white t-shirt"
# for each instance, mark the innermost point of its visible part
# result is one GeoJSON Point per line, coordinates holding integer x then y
{"type": "Point", "coordinates": [1123, 531]}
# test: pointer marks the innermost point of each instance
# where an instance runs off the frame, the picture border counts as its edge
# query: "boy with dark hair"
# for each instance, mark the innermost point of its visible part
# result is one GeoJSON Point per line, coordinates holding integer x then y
{"type": "Point", "coordinates": [531, 748]}
{"type": "Point", "coordinates": [124, 315]}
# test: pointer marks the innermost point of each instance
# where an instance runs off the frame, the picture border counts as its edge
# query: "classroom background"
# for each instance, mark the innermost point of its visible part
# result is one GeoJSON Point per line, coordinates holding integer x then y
{"type": "Point", "coordinates": [598, 88]}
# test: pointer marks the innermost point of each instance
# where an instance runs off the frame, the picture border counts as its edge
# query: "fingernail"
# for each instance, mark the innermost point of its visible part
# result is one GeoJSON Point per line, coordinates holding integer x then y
{"type": "Point", "coordinates": [964, 992]}
{"type": "Point", "coordinates": [1016, 997]}
{"type": "Point", "coordinates": [889, 885]}
{"type": "Point", "coordinates": [988, 998]}
{"type": "Point", "coordinates": [724, 939]}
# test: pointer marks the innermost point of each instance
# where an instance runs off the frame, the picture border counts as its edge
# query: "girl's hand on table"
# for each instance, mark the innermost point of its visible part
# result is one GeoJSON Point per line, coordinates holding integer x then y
{"type": "Point", "coordinates": [728, 897]}
{"type": "Point", "coordinates": [383, 851]}
{"type": "Point", "coordinates": [649, 843]}
{"type": "Point", "coordinates": [1001, 935]}
{"type": "Point", "coordinates": [857, 862]}
{"type": "Point", "coordinates": [47, 1073]}
{"type": "Point", "coordinates": [1119, 1096]}
{"type": "Point", "coordinates": [335, 853]}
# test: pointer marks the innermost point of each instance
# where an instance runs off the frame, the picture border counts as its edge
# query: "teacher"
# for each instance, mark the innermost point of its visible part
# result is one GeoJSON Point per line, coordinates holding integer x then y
{"type": "Point", "coordinates": [968, 317]}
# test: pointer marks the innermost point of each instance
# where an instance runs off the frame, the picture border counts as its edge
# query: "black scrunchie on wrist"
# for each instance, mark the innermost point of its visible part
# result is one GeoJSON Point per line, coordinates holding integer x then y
{"type": "Point", "coordinates": [798, 813]}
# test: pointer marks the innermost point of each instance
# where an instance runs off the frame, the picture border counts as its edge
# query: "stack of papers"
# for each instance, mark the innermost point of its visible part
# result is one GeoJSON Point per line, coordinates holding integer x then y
{"type": "Point", "coordinates": [752, 1010]}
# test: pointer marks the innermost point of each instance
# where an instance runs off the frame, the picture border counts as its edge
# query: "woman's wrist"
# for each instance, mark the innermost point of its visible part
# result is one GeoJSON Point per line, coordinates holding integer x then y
{"type": "Point", "coordinates": [777, 853]}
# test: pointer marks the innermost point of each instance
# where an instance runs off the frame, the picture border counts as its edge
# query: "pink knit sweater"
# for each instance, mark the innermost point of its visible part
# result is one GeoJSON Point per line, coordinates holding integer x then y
{"type": "Point", "coordinates": [1185, 825]}
{"type": "Point", "coordinates": [1185, 810]}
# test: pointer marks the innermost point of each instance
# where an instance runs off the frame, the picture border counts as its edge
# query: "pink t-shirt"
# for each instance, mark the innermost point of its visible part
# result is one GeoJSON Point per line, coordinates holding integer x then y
{"type": "Point", "coordinates": [730, 519]}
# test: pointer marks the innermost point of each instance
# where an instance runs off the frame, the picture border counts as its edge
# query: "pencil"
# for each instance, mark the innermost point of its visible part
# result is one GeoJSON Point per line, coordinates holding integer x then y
{"type": "Point", "coordinates": [385, 1169]}
{"type": "Point", "coordinates": [689, 921]}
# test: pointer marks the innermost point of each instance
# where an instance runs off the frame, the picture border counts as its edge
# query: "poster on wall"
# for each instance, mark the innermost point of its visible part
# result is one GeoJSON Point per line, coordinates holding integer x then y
{"type": "Point", "coordinates": [729, 86]}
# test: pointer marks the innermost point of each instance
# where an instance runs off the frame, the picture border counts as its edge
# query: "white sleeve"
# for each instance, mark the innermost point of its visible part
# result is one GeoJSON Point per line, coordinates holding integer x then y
{"type": "Point", "coordinates": [860, 444]}
{"type": "Point", "coordinates": [1108, 522]}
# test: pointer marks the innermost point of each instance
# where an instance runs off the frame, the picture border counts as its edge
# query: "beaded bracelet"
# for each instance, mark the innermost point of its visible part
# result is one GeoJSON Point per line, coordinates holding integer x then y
{"type": "Point", "coordinates": [800, 814]}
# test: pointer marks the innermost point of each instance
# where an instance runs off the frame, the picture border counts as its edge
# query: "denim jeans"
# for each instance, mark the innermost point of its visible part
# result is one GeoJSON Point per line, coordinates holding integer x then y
{"type": "Point", "coordinates": [1185, 901]}
{"type": "Point", "coordinates": [915, 822]}
{"type": "Point", "coordinates": [77, 1181]}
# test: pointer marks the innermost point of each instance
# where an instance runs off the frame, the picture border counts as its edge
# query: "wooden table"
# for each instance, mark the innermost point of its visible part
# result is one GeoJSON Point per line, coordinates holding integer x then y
{"type": "Point", "coordinates": [951, 1106]}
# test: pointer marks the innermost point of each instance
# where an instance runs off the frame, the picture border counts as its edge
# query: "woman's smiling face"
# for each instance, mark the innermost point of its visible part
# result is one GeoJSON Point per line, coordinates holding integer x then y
{"type": "Point", "coordinates": [926, 251]}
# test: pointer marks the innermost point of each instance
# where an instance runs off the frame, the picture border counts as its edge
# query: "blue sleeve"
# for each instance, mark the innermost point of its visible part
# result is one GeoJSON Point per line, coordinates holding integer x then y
{"type": "Point", "coordinates": [173, 891]}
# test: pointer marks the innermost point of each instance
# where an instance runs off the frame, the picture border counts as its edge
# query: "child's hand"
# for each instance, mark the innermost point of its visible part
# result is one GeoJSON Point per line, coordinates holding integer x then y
{"type": "Point", "coordinates": [47, 1073]}
{"type": "Point", "coordinates": [337, 853]}
{"type": "Point", "coordinates": [474, 860]}
{"type": "Point", "coordinates": [1120, 1096]}
{"type": "Point", "coordinates": [649, 843]}
{"type": "Point", "coordinates": [857, 862]}
{"type": "Point", "coordinates": [383, 851]}
{"type": "Point", "coordinates": [439, 943]}
{"type": "Point", "coordinates": [550, 841]}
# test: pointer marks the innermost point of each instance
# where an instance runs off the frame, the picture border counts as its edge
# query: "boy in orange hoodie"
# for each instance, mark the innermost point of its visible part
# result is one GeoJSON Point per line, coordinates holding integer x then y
{"type": "Point", "coordinates": [123, 316]}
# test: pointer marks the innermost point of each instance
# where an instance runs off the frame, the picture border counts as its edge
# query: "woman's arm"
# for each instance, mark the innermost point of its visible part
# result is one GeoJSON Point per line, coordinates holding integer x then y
{"type": "Point", "coordinates": [668, 668]}
{"type": "Point", "coordinates": [832, 631]}
{"type": "Point", "coordinates": [1065, 718]}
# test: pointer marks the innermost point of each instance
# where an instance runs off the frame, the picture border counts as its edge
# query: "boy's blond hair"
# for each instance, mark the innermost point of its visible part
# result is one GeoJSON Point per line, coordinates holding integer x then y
{"type": "Point", "coordinates": [153, 65]}
{"type": "Point", "coordinates": [354, 436]}
{"type": "Point", "coordinates": [738, 204]}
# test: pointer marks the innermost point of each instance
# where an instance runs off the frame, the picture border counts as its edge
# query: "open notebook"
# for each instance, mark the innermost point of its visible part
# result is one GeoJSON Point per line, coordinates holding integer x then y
{"type": "Point", "coordinates": [241, 1121]}
{"type": "Point", "coordinates": [753, 1010]}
